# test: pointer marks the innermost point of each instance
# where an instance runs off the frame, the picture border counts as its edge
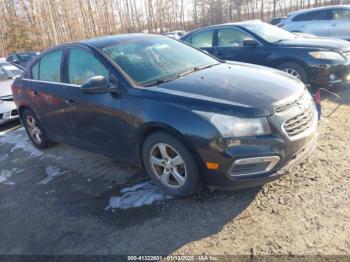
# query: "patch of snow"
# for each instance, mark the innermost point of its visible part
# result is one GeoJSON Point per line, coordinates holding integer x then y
{"type": "Point", "coordinates": [142, 194]}
{"type": "Point", "coordinates": [20, 140]}
{"type": "Point", "coordinates": [52, 172]}
{"type": "Point", "coordinates": [5, 175]}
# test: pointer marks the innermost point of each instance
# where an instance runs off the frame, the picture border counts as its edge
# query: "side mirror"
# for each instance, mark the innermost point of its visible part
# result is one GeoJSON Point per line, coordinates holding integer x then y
{"type": "Point", "coordinates": [98, 85]}
{"type": "Point", "coordinates": [250, 43]}
{"type": "Point", "coordinates": [15, 61]}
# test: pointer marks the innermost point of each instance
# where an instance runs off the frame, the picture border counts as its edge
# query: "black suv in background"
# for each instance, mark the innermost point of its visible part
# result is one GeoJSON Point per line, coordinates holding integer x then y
{"type": "Point", "coordinates": [21, 59]}
{"type": "Point", "coordinates": [318, 61]}
{"type": "Point", "coordinates": [187, 117]}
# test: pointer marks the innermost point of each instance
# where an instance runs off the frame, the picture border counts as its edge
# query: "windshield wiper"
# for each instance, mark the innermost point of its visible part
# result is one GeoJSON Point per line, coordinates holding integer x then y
{"type": "Point", "coordinates": [197, 68]}
{"type": "Point", "coordinates": [160, 81]}
{"type": "Point", "coordinates": [171, 78]}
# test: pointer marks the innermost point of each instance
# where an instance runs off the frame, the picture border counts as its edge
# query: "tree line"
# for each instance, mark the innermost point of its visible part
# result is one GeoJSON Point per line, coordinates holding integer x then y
{"type": "Point", "coordinates": [38, 24]}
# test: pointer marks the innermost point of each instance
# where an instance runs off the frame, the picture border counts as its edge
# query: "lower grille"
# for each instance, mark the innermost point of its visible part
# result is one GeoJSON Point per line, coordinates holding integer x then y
{"type": "Point", "coordinates": [14, 112]}
{"type": "Point", "coordinates": [301, 122]}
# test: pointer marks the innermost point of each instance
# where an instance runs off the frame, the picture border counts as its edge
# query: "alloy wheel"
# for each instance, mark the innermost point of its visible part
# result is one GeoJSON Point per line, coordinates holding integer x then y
{"type": "Point", "coordinates": [168, 165]}
{"type": "Point", "coordinates": [33, 129]}
{"type": "Point", "coordinates": [292, 72]}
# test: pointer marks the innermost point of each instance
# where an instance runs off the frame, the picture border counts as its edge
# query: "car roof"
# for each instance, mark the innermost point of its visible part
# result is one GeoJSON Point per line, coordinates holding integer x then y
{"type": "Point", "coordinates": [319, 9]}
{"type": "Point", "coordinates": [242, 24]}
{"type": "Point", "coordinates": [104, 41]}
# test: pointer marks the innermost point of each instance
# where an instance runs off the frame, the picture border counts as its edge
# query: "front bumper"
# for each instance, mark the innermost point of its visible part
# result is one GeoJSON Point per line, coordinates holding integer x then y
{"type": "Point", "coordinates": [328, 74]}
{"type": "Point", "coordinates": [217, 180]}
{"type": "Point", "coordinates": [8, 112]}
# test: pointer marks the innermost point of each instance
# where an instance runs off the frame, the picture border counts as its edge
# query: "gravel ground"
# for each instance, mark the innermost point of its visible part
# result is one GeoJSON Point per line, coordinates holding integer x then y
{"type": "Point", "coordinates": [54, 202]}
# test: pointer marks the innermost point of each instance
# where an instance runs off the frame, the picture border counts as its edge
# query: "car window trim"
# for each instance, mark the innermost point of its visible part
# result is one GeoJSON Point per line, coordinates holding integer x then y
{"type": "Point", "coordinates": [49, 82]}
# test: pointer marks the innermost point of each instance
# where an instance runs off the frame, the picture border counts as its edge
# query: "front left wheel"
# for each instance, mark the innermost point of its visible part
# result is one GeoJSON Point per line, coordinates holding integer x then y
{"type": "Point", "coordinates": [171, 165]}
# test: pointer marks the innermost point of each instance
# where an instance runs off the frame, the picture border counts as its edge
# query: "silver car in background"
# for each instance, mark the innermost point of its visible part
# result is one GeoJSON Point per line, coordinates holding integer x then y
{"type": "Point", "coordinates": [328, 21]}
{"type": "Point", "coordinates": [8, 73]}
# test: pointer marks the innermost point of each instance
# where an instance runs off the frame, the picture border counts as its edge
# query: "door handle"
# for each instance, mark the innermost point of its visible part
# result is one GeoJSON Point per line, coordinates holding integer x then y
{"type": "Point", "coordinates": [69, 101]}
{"type": "Point", "coordinates": [35, 93]}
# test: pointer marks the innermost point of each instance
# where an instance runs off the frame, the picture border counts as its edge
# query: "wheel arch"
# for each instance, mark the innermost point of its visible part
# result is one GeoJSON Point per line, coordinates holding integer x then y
{"type": "Point", "coordinates": [152, 128]}
{"type": "Point", "coordinates": [289, 59]}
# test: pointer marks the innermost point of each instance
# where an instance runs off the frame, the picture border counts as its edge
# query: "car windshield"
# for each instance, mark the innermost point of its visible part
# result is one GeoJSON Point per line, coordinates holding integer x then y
{"type": "Point", "coordinates": [9, 71]}
{"type": "Point", "coordinates": [26, 57]}
{"type": "Point", "coordinates": [270, 33]}
{"type": "Point", "coordinates": [153, 60]}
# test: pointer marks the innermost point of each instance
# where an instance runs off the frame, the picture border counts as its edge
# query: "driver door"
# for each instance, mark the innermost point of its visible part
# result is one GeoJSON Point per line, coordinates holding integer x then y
{"type": "Point", "coordinates": [94, 120]}
{"type": "Point", "coordinates": [230, 46]}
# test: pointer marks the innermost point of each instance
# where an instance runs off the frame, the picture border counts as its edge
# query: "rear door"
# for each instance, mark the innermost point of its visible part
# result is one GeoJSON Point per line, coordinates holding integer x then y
{"type": "Point", "coordinates": [46, 94]}
{"type": "Point", "coordinates": [95, 120]}
{"type": "Point", "coordinates": [229, 45]}
{"type": "Point", "coordinates": [340, 26]}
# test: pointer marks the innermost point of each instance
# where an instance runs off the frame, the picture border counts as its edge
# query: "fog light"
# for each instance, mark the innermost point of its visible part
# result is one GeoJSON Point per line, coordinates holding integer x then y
{"type": "Point", "coordinates": [332, 77]}
{"type": "Point", "coordinates": [253, 165]}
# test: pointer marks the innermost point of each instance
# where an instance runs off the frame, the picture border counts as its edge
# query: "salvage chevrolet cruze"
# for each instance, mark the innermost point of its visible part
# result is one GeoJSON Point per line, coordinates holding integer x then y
{"type": "Point", "coordinates": [187, 117]}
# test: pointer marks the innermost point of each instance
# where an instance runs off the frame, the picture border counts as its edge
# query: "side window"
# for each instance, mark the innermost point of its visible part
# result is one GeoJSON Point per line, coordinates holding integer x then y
{"type": "Point", "coordinates": [203, 39]}
{"type": "Point", "coordinates": [83, 65]}
{"type": "Point", "coordinates": [341, 14]}
{"type": "Point", "coordinates": [232, 37]}
{"type": "Point", "coordinates": [315, 15]}
{"type": "Point", "coordinates": [35, 71]}
{"type": "Point", "coordinates": [50, 67]}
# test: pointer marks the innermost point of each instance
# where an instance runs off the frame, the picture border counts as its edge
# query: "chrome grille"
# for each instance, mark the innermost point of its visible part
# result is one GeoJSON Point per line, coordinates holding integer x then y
{"type": "Point", "coordinates": [300, 122]}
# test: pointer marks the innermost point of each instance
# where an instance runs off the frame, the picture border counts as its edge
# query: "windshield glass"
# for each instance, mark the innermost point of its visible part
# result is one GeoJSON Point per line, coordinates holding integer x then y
{"type": "Point", "coordinates": [10, 70]}
{"type": "Point", "coordinates": [153, 59]}
{"type": "Point", "coordinates": [26, 57]}
{"type": "Point", "coordinates": [270, 33]}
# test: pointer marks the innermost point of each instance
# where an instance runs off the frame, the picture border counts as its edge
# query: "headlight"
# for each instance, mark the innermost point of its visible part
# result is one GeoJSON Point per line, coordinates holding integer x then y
{"type": "Point", "coordinates": [231, 126]}
{"type": "Point", "coordinates": [327, 55]}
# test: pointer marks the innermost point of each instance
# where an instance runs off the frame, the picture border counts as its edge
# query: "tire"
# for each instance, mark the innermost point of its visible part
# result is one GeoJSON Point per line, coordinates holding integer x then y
{"type": "Point", "coordinates": [290, 67]}
{"type": "Point", "coordinates": [31, 122]}
{"type": "Point", "coordinates": [163, 173]}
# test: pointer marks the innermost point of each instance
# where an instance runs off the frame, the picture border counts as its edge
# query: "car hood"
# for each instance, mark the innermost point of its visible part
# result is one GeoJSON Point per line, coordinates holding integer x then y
{"type": "Point", "coordinates": [234, 88]}
{"type": "Point", "coordinates": [5, 87]}
{"type": "Point", "coordinates": [322, 43]}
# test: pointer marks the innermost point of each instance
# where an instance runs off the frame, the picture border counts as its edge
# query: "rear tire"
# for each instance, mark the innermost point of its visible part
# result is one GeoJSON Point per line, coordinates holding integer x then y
{"type": "Point", "coordinates": [35, 130]}
{"type": "Point", "coordinates": [171, 165]}
{"type": "Point", "coordinates": [295, 70]}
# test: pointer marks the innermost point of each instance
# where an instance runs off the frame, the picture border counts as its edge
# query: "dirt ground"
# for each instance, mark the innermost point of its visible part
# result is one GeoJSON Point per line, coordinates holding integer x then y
{"type": "Point", "coordinates": [304, 213]}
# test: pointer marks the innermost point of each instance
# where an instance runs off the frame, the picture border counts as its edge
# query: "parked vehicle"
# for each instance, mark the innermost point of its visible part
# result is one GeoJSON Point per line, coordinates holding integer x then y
{"type": "Point", "coordinates": [316, 61]}
{"type": "Point", "coordinates": [329, 21]}
{"type": "Point", "coordinates": [21, 59]}
{"type": "Point", "coordinates": [187, 117]}
{"type": "Point", "coordinates": [8, 110]}
{"type": "Point", "coordinates": [175, 34]}
{"type": "Point", "coordinates": [277, 20]}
